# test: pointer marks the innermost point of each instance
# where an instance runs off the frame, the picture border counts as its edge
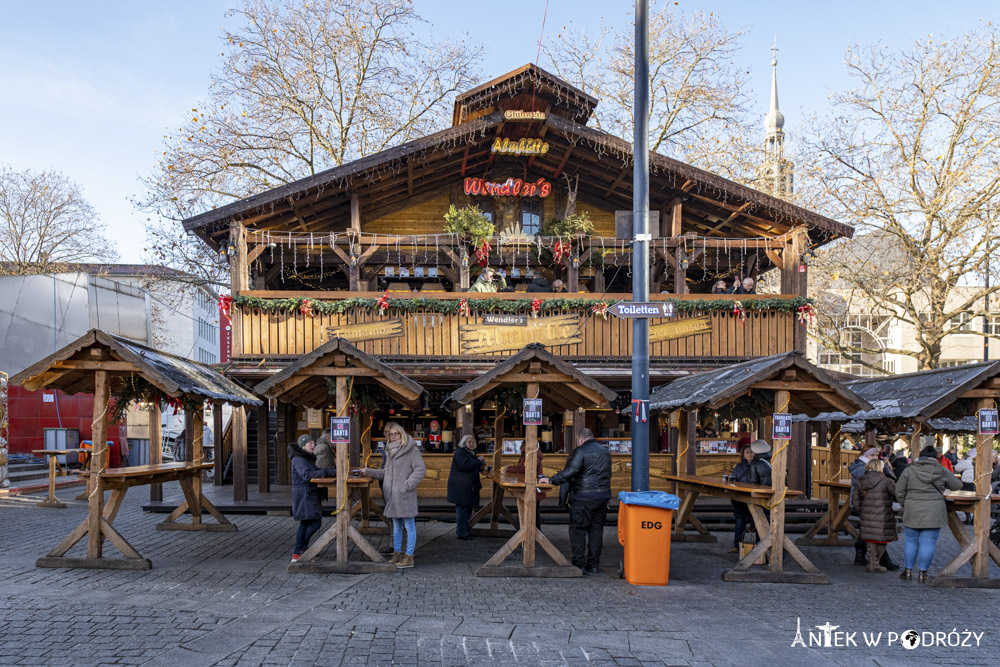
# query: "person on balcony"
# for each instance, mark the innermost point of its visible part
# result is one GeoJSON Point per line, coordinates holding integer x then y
{"type": "Point", "coordinates": [746, 287]}
{"type": "Point", "coordinates": [720, 287]}
{"type": "Point", "coordinates": [539, 284]}
{"type": "Point", "coordinates": [489, 281]}
{"type": "Point", "coordinates": [558, 286]}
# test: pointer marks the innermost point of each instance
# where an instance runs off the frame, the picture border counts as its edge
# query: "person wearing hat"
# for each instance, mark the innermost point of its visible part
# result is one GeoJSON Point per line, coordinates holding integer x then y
{"type": "Point", "coordinates": [307, 507]}
{"type": "Point", "coordinates": [489, 281]}
{"type": "Point", "coordinates": [741, 513]}
{"type": "Point", "coordinates": [857, 470]}
{"type": "Point", "coordinates": [920, 491]}
{"type": "Point", "coordinates": [760, 466]}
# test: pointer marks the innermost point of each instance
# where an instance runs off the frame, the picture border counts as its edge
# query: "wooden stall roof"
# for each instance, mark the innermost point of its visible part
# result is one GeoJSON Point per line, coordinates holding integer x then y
{"type": "Point", "coordinates": [560, 383]}
{"type": "Point", "coordinates": [72, 368]}
{"type": "Point", "coordinates": [920, 395]}
{"type": "Point", "coordinates": [419, 170]}
{"type": "Point", "coordinates": [304, 382]}
{"type": "Point", "coordinates": [546, 91]}
{"type": "Point", "coordinates": [812, 389]}
{"type": "Point", "coordinates": [941, 425]}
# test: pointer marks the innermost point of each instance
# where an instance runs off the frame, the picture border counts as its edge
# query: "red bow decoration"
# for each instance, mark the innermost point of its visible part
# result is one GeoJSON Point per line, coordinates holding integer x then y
{"type": "Point", "coordinates": [383, 303]}
{"type": "Point", "coordinates": [536, 306]}
{"type": "Point", "coordinates": [463, 307]}
{"type": "Point", "coordinates": [804, 311]}
{"type": "Point", "coordinates": [738, 309]}
{"type": "Point", "coordinates": [174, 403]}
{"type": "Point", "coordinates": [600, 309]}
{"type": "Point", "coordinates": [483, 252]}
{"type": "Point", "coordinates": [224, 304]}
{"type": "Point", "coordinates": [560, 250]}
{"type": "Point", "coordinates": [306, 308]}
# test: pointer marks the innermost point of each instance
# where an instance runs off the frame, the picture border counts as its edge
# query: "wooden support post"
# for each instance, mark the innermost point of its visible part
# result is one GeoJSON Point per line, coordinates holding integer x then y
{"type": "Point", "coordinates": [463, 270]}
{"type": "Point", "coordinates": [218, 433]}
{"type": "Point", "coordinates": [155, 449]}
{"type": "Point", "coordinates": [573, 272]}
{"type": "Point", "coordinates": [343, 514]}
{"type": "Point", "coordinates": [463, 419]}
{"type": "Point", "coordinates": [240, 492]}
{"type": "Point", "coordinates": [691, 460]}
{"type": "Point", "coordinates": [579, 423]}
{"type": "Point", "coordinates": [188, 438]}
{"type": "Point", "coordinates": [779, 467]}
{"type": "Point", "coordinates": [599, 284]}
{"type": "Point", "coordinates": [834, 476]}
{"type": "Point", "coordinates": [196, 453]}
{"type": "Point", "coordinates": [239, 279]}
{"type": "Point", "coordinates": [915, 441]}
{"type": "Point", "coordinates": [981, 515]}
{"type": "Point", "coordinates": [676, 217]}
{"type": "Point", "coordinates": [528, 523]}
{"type": "Point", "coordinates": [567, 430]}
{"type": "Point", "coordinates": [794, 277]}
{"type": "Point", "coordinates": [798, 458]}
{"type": "Point", "coordinates": [263, 449]}
{"type": "Point", "coordinates": [355, 213]}
{"type": "Point", "coordinates": [98, 462]}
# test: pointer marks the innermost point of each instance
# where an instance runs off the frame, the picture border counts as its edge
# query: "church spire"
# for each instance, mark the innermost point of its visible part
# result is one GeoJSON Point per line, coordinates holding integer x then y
{"type": "Point", "coordinates": [776, 171]}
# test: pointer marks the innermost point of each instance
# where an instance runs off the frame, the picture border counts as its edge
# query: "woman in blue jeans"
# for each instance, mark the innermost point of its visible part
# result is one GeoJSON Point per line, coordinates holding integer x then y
{"type": "Point", "coordinates": [402, 471]}
{"type": "Point", "coordinates": [920, 491]}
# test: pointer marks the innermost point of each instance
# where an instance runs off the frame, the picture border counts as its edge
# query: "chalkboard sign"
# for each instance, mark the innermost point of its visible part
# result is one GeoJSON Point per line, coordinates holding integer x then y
{"type": "Point", "coordinates": [340, 430]}
{"type": "Point", "coordinates": [782, 426]}
{"type": "Point", "coordinates": [532, 412]}
{"type": "Point", "coordinates": [988, 422]}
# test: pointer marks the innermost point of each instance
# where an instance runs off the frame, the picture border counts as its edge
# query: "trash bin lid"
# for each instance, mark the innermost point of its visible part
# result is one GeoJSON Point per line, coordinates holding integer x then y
{"type": "Point", "coordinates": [662, 499]}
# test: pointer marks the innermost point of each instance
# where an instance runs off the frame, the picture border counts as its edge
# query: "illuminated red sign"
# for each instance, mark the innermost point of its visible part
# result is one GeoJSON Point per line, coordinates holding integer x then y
{"type": "Point", "coordinates": [512, 187]}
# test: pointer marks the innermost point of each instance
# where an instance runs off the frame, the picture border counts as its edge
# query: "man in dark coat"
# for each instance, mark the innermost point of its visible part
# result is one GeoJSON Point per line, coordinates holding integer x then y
{"type": "Point", "coordinates": [539, 284]}
{"type": "Point", "coordinates": [588, 472]}
{"type": "Point", "coordinates": [307, 507]}
{"type": "Point", "coordinates": [464, 484]}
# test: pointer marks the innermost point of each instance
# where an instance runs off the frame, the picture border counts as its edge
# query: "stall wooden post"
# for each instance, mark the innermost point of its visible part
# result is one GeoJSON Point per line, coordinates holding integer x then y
{"type": "Point", "coordinates": [263, 449]}
{"type": "Point", "coordinates": [915, 441]}
{"type": "Point", "coordinates": [530, 482]}
{"type": "Point", "coordinates": [834, 470]}
{"type": "Point", "coordinates": [239, 454]}
{"type": "Point", "coordinates": [567, 431]}
{"type": "Point", "coordinates": [155, 449]}
{"type": "Point", "coordinates": [779, 468]}
{"type": "Point", "coordinates": [98, 462]}
{"type": "Point", "coordinates": [196, 454]}
{"type": "Point", "coordinates": [691, 461]}
{"type": "Point", "coordinates": [220, 451]}
{"type": "Point", "coordinates": [981, 515]}
{"type": "Point", "coordinates": [496, 492]}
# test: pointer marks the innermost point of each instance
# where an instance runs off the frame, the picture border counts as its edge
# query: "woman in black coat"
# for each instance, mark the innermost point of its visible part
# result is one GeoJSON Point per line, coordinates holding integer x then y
{"type": "Point", "coordinates": [464, 484]}
{"type": "Point", "coordinates": [307, 507]}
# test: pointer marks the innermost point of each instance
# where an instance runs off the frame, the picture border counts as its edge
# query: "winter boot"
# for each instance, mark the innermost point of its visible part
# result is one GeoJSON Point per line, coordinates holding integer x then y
{"type": "Point", "coordinates": [873, 565]}
{"type": "Point", "coordinates": [906, 574]}
{"type": "Point", "coordinates": [860, 556]}
{"type": "Point", "coordinates": [406, 560]}
{"type": "Point", "coordinates": [922, 577]}
{"type": "Point", "coordinates": [884, 560]}
{"type": "Point", "coordinates": [396, 556]}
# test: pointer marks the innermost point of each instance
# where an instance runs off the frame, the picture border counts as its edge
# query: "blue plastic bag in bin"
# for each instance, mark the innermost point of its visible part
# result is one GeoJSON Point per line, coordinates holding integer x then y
{"type": "Point", "coordinates": [661, 499]}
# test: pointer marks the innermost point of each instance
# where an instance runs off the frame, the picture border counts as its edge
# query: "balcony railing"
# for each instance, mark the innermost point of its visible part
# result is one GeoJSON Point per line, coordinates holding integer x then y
{"type": "Point", "coordinates": [280, 324]}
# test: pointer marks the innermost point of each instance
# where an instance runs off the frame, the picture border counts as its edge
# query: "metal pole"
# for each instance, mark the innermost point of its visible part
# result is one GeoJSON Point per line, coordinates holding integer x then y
{"type": "Point", "coordinates": [986, 314]}
{"type": "Point", "coordinates": [640, 252]}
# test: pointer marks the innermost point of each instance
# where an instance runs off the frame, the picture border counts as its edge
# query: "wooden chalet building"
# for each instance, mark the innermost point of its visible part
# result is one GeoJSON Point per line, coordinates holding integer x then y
{"type": "Point", "coordinates": [360, 252]}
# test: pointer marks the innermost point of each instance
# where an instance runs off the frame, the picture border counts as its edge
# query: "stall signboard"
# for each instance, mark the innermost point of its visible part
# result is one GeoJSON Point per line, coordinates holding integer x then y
{"type": "Point", "coordinates": [340, 430]}
{"type": "Point", "coordinates": [314, 418]}
{"type": "Point", "coordinates": [526, 146]}
{"type": "Point", "coordinates": [505, 320]}
{"type": "Point", "coordinates": [518, 115]}
{"type": "Point", "coordinates": [782, 426]}
{"type": "Point", "coordinates": [628, 309]}
{"type": "Point", "coordinates": [512, 187]}
{"type": "Point", "coordinates": [356, 333]}
{"type": "Point", "coordinates": [988, 422]}
{"type": "Point", "coordinates": [481, 338]}
{"type": "Point", "coordinates": [532, 414]}
{"type": "Point", "coordinates": [690, 326]}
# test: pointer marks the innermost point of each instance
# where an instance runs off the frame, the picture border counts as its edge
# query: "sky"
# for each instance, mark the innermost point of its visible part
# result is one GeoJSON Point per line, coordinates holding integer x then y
{"type": "Point", "coordinates": [90, 88]}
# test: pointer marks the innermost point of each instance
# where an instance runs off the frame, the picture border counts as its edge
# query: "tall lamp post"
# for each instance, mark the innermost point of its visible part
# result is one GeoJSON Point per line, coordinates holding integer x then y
{"type": "Point", "coordinates": [640, 252]}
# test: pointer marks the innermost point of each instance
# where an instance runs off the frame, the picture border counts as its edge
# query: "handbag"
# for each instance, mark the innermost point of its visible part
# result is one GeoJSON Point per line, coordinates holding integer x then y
{"type": "Point", "coordinates": [748, 540]}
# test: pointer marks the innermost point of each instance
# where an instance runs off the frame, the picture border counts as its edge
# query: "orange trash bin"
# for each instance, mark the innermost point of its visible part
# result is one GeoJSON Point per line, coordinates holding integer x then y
{"type": "Point", "coordinates": [644, 523]}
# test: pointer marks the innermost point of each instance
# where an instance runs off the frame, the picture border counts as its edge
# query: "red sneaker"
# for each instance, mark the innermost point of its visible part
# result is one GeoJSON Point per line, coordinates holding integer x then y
{"type": "Point", "coordinates": [295, 557]}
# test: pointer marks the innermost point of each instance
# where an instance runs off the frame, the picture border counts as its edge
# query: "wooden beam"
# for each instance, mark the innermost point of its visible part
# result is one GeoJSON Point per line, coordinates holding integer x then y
{"type": "Point", "coordinates": [297, 215]}
{"type": "Point", "coordinates": [614, 184]}
{"type": "Point", "coordinates": [732, 218]}
{"type": "Point", "coordinates": [355, 213]}
{"type": "Point", "coordinates": [793, 386]}
{"type": "Point", "coordinates": [86, 365]}
{"type": "Point", "coordinates": [409, 177]}
{"type": "Point", "coordinates": [339, 372]}
{"type": "Point", "coordinates": [676, 218]}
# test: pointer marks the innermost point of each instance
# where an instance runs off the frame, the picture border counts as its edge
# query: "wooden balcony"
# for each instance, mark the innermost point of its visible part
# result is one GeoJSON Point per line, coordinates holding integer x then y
{"type": "Point", "coordinates": [424, 333]}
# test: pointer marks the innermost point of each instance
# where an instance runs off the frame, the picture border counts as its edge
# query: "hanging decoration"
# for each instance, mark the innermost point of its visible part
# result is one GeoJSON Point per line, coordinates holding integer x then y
{"type": "Point", "coordinates": [483, 252]}
{"type": "Point", "coordinates": [463, 307]}
{"type": "Point", "coordinates": [804, 311]}
{"type": "Point", "coordinates": [536, 306]}
{"type": "Point", "coordinates": [559, 251]}
{"type": "Point", "coordinates": [600, 309]}
{"type": "Point", "coordinates": [306, 308]}
{"type": "Point", "coordinates": [739, 310]}
{"type": "Point", "coordinates": [383, 303]}
{"type": "Point", "coordinates": [225, 303]}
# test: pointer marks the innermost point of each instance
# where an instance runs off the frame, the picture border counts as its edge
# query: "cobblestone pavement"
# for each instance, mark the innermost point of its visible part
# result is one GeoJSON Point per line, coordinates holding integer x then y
{"type": "Point", "coordinates": [226, 599]}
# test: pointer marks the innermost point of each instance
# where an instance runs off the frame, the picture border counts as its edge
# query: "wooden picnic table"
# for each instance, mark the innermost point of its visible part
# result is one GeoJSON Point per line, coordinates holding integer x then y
{"type": "Point", "coordinates": [757, 498]}
{"type": "Point", "coordinates": [119, 481]}
{"type": "Point", "coordinates": [54, 466]}
{"type": "Point", "coordinates": [524, 489]}
{"type": "Point", "coordinates": [364, 507]}
{"type": "Point", "coordinates": [964, 501]}
{"type": "Point", "coordinates": [835, 519]}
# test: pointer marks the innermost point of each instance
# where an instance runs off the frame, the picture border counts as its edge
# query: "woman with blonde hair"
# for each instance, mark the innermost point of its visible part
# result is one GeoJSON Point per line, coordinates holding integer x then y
{"type": "Point", "coordinates": [401, 473]}
{"type": "Point", "coordinates": [873, 496]}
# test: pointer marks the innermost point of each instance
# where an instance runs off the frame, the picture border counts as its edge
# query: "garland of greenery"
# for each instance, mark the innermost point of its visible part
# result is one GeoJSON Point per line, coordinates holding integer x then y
{"type": "Point", "coordinates": [137, 389]}
{"type": "Point", "coordinates": [452, 306]}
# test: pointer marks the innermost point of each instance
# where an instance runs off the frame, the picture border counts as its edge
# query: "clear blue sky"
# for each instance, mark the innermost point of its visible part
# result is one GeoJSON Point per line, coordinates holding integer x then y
{"type": "Point", "coordinates": [89, 88]}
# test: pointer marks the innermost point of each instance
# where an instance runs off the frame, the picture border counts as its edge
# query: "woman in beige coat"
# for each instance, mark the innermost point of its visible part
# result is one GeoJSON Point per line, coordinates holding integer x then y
{"type": "Point", "coordinates": [403, 470]}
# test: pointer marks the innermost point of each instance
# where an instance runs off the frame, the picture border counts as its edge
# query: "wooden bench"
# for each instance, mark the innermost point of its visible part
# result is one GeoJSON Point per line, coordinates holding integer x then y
{"type": "Point", "coordinates": [119, 481]}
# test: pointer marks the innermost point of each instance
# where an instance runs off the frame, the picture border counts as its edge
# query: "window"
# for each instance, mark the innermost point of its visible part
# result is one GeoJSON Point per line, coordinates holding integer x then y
{"type": "Point", "coordinates": [207, 330]}
{"type": "Point", "coordinates": [485, 207]}
{"type": "Point", "coordinates": [531, 216]}
{"type": "Point", "coordinates": [961, 323]}
{"type": "Point", "coordinates": [860, 331]}
{"type": "Point", "coordinates": [206, 357]}
{"type": "Point", "coordinates": [993, 325]}
{"type": "Point", "coordinates": [951, 363]}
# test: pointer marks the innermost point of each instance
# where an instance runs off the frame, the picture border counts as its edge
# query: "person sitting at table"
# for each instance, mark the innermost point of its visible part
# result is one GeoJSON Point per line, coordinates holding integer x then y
{"type": "Point", "coordinates": [920, 491]}
{"type": "Point", "coordinates": [760, 466]}
{"type": "Point", "coordinates": [539, 284]}
{"type": "Point", "coordinates": [489, 281]}
{"type": "Point", "coordinates": [872, 498]}
{"type": "Point", "coordinates": [401, 473]}
{"type": "Point", "coordinates": [741, 513]}
{"type": "Point", "coordinates": [966, 469]}
{"type": "Point", "coordinates": [307, 508]}
{"type": "Point", "coordinates": [464, 484]}
{"type": "Point", "coordinates": [518, 468]}
{"type": "Point", "coordinates": [588, 473]}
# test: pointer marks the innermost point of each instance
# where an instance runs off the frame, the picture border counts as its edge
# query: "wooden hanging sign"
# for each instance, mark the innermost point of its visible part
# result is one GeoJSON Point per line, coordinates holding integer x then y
{"type": "Point", "coordinates": [549, 331]}
{"type": "Point", "coordinates": [680, 329]}
{"type": "Point", "coordinates": [356, 333]}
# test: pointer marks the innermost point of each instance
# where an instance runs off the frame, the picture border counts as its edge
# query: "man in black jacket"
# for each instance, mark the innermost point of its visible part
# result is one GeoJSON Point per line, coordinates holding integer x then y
{"type": "Point", "coordinates": [588, 473]}
{"type": "Point", "coordinates": [539, 284]}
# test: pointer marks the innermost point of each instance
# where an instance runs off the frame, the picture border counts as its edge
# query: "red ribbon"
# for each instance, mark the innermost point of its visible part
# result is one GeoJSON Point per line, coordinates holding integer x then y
{"type": "Point", "coordinates": [463, 307]}
{"type": "Point", "coordinates": [739, 310]}
{"type": "Point", "coordinates": [383, 303]}
{"type": "Point", "coordinates": [224, 304]}
{"type": "Point", "coordinates": [483, 252]}
{"type": "Point", "coordinates": [803, 311]}
{"type": "Point", "coordinates": [306, 308]}
{"type": "Point", "coordinates": [560, 250]}
{"type": "Point", "coordinates": [536, 305]}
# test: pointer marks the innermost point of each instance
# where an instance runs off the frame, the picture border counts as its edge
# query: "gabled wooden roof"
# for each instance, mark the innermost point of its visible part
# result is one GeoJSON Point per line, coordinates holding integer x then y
{"type": "Point", "coordinates": [527, 86]}
{"type": "Point", "coordinates": [560, 383]}
{"type": "Point", "coordinates": [304, 382]}
{"type": "Point", "coordinates": [431, 166]}
{"type": "Point", "coordinates": [72, 369]}
{"type": "Point", "coordinates": [922, 395]}
{"type": "Point", "coordinates": [812, 389]}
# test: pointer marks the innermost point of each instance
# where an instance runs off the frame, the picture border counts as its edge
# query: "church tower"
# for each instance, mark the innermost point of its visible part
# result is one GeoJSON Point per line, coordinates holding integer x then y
{"type": "Point", "coordinates": [776, 173]}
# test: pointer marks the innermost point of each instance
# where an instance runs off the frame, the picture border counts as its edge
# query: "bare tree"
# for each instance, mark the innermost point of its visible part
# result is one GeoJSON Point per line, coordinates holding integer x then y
{"type": "Point", "coordinates": [303, 87]}
{"type": "Point", "coordinates": [909, 158]}
{"type": "Point", "coordinates": [698, 100]}
{"type": "Point", "coordinates": [46, 222]}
